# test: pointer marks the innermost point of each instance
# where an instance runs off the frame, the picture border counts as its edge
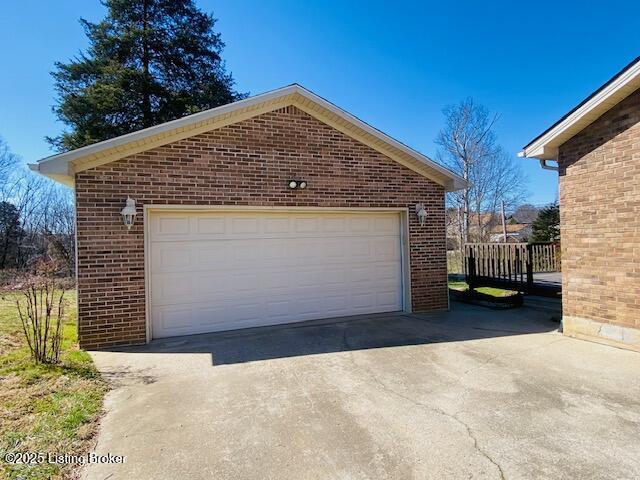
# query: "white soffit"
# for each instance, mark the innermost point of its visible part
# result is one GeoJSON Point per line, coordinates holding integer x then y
{"type": "Point", "coordinates": [64, 166]}
{"type": "Point", "coordinates": [623, 84]}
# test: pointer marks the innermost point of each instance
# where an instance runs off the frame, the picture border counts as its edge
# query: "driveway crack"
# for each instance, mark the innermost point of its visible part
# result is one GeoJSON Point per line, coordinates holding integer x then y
{"type": "Point", "coordinates": [419, 404]}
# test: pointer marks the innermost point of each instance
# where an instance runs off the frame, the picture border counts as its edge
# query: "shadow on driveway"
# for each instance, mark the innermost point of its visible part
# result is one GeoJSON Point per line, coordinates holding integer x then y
{"type": "Point", "coordinates": [463, 322]}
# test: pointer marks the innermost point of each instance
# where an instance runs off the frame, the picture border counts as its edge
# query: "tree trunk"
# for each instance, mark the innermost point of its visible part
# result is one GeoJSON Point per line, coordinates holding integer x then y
{"type": "Point", "coordinates": [466, 202]}
{"type": "Point", "coordinates": [147, 116]}
{"type": "Point", "coordinates": [504, 224]}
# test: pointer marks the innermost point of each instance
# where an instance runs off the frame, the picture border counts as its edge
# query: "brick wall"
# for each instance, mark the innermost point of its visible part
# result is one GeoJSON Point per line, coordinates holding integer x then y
{"type": "Point", "coordinates": [248, 163]}
{"type": "Point", "coordinates": [600, 227]}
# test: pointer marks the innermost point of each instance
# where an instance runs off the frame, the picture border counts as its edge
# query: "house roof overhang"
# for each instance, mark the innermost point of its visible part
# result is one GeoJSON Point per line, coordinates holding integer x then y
{"type": "Point", "coordinates": [63, 167]}
{"type": "Point", "coordinates": [545, 146]}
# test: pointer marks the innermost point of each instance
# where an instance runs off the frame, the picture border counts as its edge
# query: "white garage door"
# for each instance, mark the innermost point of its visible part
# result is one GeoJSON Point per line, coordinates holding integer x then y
{"type": "Point", "coordinates": [221, 271]}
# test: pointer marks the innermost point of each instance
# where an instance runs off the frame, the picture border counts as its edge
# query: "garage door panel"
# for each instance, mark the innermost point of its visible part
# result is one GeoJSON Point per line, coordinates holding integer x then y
{"type": "Point", "coordinates": [334, 224]}
{"type": "Point", "coordinates": [211, 255]}
{"type": "Point", "coordinates": [170, 288]}
{"type": "Point", "coordinates": [208, 285]}
{"type": "Point", "coordinates": [385, 249]}
{"type": "Point", "coordinates": [359, 249]}
{"type": "Point", "coordinates": [305, 224]}
{"type": "Point", "coordinates": [388, 225]}
{"type": "Point", "coordinates": [363, 300]}
{"type": "Point", "coordinates": [245, 225]}
{"type": "Point", "coordinates": [385, 271]}
{"type": "Point", "coordinates": [244, 282]}
{"type": "Point", "coordinates": [278, 309]}
{"type": "Point", "coordinates": [210, 225]}
{"type": "Point", "coordinates": [173, 320]}
{"type": "Point", "coordinates": [219, 271]}
{"type": "Point", "coordinates": [168, 259]}
{"type": "Point", "coordinates": [387, 299]}
{"type": "Point", "coordinates": [277, 224]}
{"type": "Point", "coordinates": [274, 251]}
{"type": "Point", "coordinates": [172, 225]}
{"type": "Point", "coordinates": [359, 224]}
{"type": "Point", "coordinates": [336, 303]}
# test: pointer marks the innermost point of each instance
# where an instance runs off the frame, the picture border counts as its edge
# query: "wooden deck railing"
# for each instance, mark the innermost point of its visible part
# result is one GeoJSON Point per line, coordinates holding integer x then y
{"type": "Point", "coordinates": [508, 264]}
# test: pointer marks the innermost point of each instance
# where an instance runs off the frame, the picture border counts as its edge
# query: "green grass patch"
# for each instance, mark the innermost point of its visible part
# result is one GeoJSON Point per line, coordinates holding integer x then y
{"type": "Point", "coordinates": [494, 292]}
{"type": "Point", "coordinates": [45, 408]}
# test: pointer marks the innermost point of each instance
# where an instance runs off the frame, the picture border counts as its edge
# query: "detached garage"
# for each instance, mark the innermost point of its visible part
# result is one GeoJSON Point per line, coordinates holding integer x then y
{"type": "Point", "coordinates": [276, 209]}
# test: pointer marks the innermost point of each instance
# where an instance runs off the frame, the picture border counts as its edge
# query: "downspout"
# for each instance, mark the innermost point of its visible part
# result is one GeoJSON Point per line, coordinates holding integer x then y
{"type": "Point", "coordinates": [543, 164]}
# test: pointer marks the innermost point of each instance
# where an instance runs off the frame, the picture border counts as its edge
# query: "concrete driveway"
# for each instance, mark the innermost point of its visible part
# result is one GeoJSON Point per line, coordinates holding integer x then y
{"type": "Point", "coordinates": [472, 393]}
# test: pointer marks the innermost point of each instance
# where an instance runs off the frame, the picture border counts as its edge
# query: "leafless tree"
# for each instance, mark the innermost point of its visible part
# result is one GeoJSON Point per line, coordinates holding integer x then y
{"type": "Point", "coordinates": [8, 164]}
{"type": "Point", "coordinates": [45, 210]}
{"type": "Point", "coordinates": [526, 213]}
{"type": "Point", "coordinates": [58, 229]}
{"type": "Point", "coordinates": [469, 147]}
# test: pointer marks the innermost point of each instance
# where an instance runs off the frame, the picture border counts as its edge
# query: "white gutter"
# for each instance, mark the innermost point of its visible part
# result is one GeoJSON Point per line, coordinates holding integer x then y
{"type": "Point", "coordinates": [543, 161]}
{"type": "Point", "coordinates": [543, 164]}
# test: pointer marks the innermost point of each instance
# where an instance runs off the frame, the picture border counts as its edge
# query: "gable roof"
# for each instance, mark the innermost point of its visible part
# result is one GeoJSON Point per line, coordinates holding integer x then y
{"type": "Point", "coordinates": [511, 227]}
{"type": "Point", "coordinates": [620, 86]}
{"type": "Point", "coordinates": [64, 166]}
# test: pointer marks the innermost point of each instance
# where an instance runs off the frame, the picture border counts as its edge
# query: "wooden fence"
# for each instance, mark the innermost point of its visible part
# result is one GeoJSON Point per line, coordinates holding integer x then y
{"type": "Point", "coordinates": [509, 265]}
{"type": "Point", "coordinates": [545, 257]}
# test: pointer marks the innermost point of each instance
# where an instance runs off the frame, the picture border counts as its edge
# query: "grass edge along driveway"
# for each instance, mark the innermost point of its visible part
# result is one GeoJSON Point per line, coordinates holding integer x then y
{"type": "Point", "coordinates": [46, 409]}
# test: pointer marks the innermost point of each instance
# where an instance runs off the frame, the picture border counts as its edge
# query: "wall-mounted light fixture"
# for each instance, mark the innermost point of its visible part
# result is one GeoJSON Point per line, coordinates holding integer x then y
{"type": "Point", "coordinates": [421, 212]}
{"type": "Point", "coordinates": [294, 184]}
{"type": "Point", "coordinates": [129, 212]}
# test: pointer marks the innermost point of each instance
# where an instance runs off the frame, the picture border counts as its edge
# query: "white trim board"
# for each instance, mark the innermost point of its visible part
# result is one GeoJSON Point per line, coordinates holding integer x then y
{"type": "Point", "coordinates": [64, 166]}
{"type": "Point", "coordinates": [545, 146]}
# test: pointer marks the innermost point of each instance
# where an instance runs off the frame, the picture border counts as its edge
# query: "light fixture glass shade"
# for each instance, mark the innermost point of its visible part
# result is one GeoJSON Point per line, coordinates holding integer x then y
{"type": "Point", "coordinates": [303, 184]}
{"type": "Point", "coordinates": [293, 184]}
{"type": "Point", "coordinates": [129, 212]}
{"type": "Point", "coordinates": [421, 212]}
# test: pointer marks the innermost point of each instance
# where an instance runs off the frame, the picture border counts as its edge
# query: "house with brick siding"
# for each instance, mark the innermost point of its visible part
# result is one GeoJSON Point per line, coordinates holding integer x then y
{"type": "Point", "coordinates": [274, 209]}
{"type": "Point", "coordinates": [597, 149]}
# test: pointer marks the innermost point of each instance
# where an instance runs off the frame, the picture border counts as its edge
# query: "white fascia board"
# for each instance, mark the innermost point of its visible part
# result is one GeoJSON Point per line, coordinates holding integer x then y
{"type": "Point", "coordinates": [546, 147]}
{"type": "Point", "coordinates": [456, 181]}
{"type": "Point", "coordinates": [60, 167]}
{"type": "Point", "coordinates": [168, 126]}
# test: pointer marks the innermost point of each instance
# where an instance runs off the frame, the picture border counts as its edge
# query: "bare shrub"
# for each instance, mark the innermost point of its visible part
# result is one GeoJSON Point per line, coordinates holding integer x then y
{"type": "Point", "coordinates": [40, 303]}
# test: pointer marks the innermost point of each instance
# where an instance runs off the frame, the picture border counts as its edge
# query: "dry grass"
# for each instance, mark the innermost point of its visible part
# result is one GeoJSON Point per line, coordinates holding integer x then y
{"type": "Point", "coordinates": [45, 408]}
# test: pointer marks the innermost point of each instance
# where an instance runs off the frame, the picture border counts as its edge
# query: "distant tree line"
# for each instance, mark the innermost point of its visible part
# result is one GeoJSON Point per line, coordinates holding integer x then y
{"type": "Point", "coordinates": [36, 218]}
{"type": "Point", "coordinates": [148, 62]}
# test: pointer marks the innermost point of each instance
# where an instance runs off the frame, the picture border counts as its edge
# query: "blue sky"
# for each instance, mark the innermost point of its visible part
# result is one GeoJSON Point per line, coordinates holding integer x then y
{"type": "Point", "coordinates": [393, 64]}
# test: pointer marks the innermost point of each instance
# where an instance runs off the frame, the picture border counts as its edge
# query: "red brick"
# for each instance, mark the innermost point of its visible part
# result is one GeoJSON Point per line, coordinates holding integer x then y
{"type": "Point", "coordinates": [600, 218]}
{"type": "Point", "coordinates": [248, 163]}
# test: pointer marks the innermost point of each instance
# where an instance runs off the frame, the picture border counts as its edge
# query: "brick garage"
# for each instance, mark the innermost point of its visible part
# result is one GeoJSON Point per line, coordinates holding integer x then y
{"type": "Point", "coordinates": [597, 147]}
{"type": "Point", "coordinates": [247, 162]}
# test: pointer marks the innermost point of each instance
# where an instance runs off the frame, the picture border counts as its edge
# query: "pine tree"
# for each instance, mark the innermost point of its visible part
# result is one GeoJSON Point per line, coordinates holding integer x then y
{"type": "Point", "coordinates": [546, 227]}
{"type": "Point", "coordinates": [148, 62]}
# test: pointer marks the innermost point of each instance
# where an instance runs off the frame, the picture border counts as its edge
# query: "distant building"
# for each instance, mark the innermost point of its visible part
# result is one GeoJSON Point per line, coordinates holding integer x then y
{"type": "Point", "coordinates": [480, 227]}
{"type": "Point", "coordinates": [516, 232]}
